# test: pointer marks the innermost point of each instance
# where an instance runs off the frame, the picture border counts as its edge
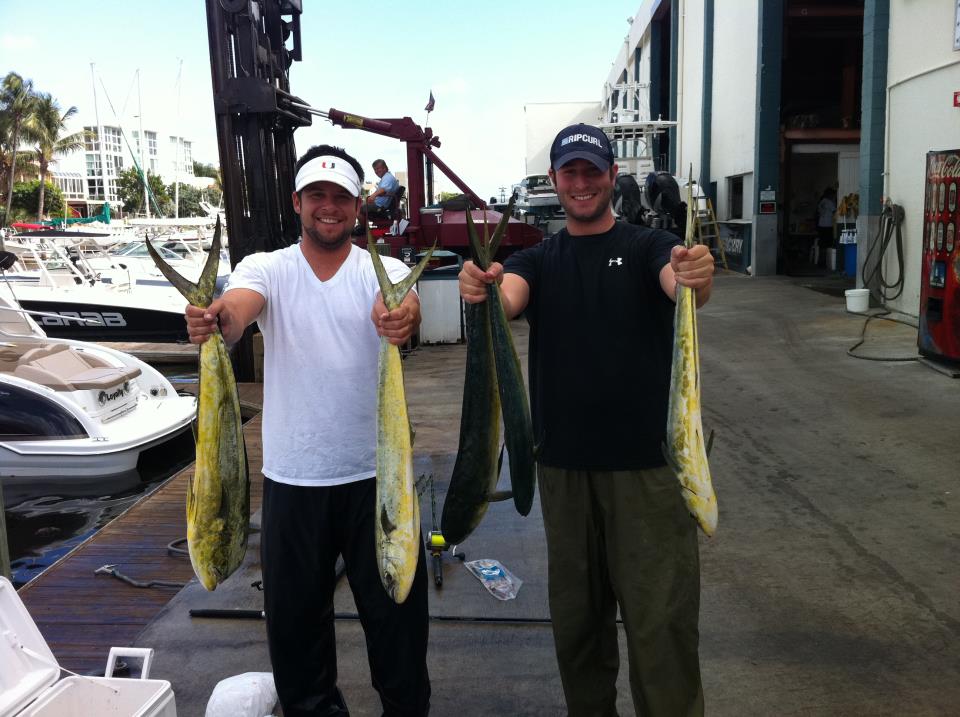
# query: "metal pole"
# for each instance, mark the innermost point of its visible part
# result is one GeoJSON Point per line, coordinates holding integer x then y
{"type": "Point", "coordinates": [143, 149]}
{"type": "Point", "coordinates": [176, 154]}
{"type": "Point", "coordinates": [100, 139]}
{"type": "Point", "coordinates": [4, 546]}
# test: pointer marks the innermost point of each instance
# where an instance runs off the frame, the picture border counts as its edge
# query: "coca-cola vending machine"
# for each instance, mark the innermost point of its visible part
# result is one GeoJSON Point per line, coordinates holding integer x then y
{"type": "Point", "coordinates": [939, 333]}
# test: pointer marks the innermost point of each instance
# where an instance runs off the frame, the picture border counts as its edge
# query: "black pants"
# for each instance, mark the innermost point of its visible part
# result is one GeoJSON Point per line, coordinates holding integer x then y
{"type": "Point", "coordinates": [303, 531]}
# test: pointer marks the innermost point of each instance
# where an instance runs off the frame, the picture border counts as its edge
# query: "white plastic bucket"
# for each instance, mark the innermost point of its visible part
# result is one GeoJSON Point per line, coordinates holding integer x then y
{"type": "Point", "coordinates": [858, 300]}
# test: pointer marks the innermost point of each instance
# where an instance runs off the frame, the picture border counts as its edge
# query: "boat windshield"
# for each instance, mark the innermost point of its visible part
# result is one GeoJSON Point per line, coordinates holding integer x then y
{"type": "Point", "coordinates": [139, 248]}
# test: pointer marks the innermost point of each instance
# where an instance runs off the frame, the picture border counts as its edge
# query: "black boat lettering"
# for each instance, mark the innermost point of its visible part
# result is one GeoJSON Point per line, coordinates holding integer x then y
{"type": "Point", "coordinates": [113, 319]}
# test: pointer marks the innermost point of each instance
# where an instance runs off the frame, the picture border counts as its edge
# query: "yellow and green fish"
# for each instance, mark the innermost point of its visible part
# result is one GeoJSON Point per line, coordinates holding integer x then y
{"type": "Point", "coordinates": [685, 449]}
{"type": "Point", "coordinates": [397, 514]}
{"type": "Point", "coordinates": [218, 494]}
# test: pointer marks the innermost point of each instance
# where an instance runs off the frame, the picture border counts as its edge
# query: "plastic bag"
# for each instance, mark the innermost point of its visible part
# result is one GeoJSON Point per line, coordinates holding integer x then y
{"type": "Point", "coordinates": [498, 581]}
{"type": "Point", "coordinates": [251, 694]}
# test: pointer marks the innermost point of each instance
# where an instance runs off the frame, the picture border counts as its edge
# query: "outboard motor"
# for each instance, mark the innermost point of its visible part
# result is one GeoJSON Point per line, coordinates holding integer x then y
{"type": "Point", "coordinates": [627, 199]}
{"type": "Point", "coordinates": [665, 209]}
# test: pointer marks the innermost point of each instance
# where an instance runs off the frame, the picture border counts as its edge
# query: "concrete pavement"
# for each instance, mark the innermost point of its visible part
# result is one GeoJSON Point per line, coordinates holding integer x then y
{"type": "Point", "coordinates": [830, 588]}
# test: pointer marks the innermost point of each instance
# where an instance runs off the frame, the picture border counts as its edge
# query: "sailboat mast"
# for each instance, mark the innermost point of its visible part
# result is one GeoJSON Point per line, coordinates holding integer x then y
{"type": "Point", "coordinates": [100, 138]}
{"type": "Point", "coordinates": [143, 145]}
{"type": "Point", "coordinates": [177, 141]}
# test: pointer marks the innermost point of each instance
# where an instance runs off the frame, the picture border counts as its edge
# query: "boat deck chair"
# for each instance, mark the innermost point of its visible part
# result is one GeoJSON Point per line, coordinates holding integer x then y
{"type": "Point", "coordinates": [59, 367]}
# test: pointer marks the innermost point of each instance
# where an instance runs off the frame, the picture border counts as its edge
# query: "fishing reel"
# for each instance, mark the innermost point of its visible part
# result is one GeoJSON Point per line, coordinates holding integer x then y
{"type": "Point", "coordinates": [437, 545]}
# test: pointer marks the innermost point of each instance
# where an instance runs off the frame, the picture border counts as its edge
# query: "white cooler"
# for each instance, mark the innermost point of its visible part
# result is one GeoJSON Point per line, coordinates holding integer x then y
{"type": "Point", "coordinates": [30, 684]}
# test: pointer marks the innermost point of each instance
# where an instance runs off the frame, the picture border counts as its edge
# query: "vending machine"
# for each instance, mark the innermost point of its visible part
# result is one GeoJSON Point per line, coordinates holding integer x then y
{"type": "Point", "coordinates": [939, 332]}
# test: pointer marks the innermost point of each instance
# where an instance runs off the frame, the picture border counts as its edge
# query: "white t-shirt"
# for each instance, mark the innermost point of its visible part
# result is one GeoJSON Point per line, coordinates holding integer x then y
{"type": "Point", "coordinates": [320, 365]}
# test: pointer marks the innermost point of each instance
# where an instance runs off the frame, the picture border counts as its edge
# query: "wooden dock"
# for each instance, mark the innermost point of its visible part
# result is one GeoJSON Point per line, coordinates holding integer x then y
{"type": "Point", "coordinates": [82, 615]}
{"type": "Point", "coordinates": [157, 353]}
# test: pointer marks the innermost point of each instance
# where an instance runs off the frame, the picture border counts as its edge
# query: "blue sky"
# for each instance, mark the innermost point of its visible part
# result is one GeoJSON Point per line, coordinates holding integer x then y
{"type": "Point", "coordinates": [483, 66]}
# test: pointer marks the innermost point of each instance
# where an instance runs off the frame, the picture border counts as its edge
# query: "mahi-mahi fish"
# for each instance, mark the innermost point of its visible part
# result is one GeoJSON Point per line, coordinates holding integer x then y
{"type": "Point", "coordinates": [685, 449]}
{"type": "Point", "coordinates": [477, 467]}
{"type": "Point", "coordinates": [397, 516]}
{"type": "Point", "coordinates": [218, 494]}
{"type": "Point", "coordinates": [517, 426]}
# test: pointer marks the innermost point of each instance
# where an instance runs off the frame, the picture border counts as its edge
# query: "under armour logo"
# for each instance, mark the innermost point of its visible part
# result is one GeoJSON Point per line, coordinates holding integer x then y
{"type": "Point", "coordinates": [618, 261]}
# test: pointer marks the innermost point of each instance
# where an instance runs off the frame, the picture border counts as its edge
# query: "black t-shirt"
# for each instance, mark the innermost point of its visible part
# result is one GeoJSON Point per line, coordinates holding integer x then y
{"type": "Point", "coordinates": [601, 344]}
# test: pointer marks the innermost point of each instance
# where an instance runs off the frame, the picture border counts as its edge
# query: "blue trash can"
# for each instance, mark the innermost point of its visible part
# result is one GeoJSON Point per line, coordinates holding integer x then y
{"type": "Point", "coordinates": [850, 259]}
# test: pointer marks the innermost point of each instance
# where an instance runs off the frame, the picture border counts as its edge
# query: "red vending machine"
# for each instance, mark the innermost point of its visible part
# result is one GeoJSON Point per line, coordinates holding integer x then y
{"type": "Point", "coordinates": [939, 333]}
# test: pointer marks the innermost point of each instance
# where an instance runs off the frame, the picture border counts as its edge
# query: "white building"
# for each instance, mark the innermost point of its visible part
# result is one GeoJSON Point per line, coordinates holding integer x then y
{"type": "Point", "coordinates": [772, 102]}
{"type": "Point", "coordinates": [89, 178]}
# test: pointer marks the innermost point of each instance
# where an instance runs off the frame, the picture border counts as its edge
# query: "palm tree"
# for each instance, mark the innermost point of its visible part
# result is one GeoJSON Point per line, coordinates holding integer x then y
{"type": "Point", "coordinates": [17, 100]}
{"type": "Point", "coordinates": [46, 126]}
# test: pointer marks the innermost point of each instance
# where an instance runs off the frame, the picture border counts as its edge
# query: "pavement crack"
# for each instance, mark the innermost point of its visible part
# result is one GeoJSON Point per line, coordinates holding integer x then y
{"type": "Point", "coordinates": [778, 483]}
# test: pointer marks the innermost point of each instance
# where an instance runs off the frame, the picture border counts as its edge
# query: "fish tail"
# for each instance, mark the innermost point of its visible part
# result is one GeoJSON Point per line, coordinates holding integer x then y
{"type": "Point", "coordinates": [201, 292]}
{"type": "Point", "coordinates": [485, 251]}
{"type": "Point", "coordinates": [392, 293]}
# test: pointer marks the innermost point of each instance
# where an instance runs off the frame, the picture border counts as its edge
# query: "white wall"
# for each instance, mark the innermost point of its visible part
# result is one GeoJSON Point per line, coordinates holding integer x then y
{"type": "Point", "coordinates": [921, 78]}
{"type": "Point", "coordinates": [734, 97]}
{"type": "Point", "coordinates": [690, 90]}
{"type": "Point", "coordinates": [543, 121]}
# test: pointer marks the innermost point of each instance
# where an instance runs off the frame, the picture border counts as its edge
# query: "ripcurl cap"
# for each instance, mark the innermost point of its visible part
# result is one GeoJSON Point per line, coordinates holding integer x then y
{"type": "Point", "coordinates": [581, 141]}
{"type": "Point", "coordinates": [329, 169]}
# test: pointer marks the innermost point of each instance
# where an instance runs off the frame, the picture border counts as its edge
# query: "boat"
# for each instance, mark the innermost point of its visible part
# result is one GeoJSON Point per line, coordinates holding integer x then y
{"type": "Point", "coordinates": [73, 408]}
{"type": "Point", "coordinates": [535, 194]}
{"type": "Point", "coordinates": [80, 299]}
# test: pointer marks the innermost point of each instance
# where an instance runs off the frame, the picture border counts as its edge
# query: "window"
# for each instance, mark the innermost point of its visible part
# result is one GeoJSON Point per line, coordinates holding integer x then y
{"type": "Point", "coordinates": [95, 188]}
{"type": "Point", "coordinates": [27, 416]}
{"type": "Point", "coordinates": [112, 139]}
{"type": "Point", "coordinates": [90, 142]}
{"type": "Point", "coordinates": [93, 164]}
{"type": "Point", "coordinates": [151, 143]}
{"type": "Point", "coordinates": [735, 193]}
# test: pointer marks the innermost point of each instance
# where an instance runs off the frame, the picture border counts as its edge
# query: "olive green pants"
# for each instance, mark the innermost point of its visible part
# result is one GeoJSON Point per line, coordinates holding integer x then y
{"type": "Point", "coordinates": [623, 538]}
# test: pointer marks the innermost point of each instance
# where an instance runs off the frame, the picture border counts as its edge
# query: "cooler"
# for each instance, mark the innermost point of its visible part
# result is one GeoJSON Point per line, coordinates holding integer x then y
{"type": "Point", "coordinates": [30, 684]}
{"type": "Point", "coordinates": [440, 306]}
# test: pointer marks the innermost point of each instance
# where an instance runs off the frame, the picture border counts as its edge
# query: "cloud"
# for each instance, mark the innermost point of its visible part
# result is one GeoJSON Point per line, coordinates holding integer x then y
{"type": "Point", "coordinates": [17, 42]}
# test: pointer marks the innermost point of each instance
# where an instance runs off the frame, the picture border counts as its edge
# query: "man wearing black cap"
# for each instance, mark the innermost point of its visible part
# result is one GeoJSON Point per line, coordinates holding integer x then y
{"type": "Point", "coordinates": [318, 307]}
{"type": "Point", "coordinates": [599, 298]}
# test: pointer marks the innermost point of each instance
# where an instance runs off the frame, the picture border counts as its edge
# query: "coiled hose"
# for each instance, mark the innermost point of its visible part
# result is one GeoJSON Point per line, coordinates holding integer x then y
{"type": "Point", "coordinates": [891, 219]}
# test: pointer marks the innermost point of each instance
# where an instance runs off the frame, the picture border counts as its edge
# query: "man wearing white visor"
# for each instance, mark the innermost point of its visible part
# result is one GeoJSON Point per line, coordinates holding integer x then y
{"type": "Point", "coordinates": [318, 306]}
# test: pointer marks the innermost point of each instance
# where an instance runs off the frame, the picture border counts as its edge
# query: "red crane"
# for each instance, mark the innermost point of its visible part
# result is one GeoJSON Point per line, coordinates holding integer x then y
{"type": "Point", "coordinates": [445, 227]}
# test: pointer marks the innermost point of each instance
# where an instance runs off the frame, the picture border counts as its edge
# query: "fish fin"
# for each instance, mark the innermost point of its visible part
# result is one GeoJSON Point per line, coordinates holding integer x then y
{"type": "Point", "coordinates": [420, 485]}
{"type": "Point", "coordinates": [500, 495]}
{"type": "Point", "coordinates": [709, 443]}
{"type": "Point", "coordinates": [200, 293]}
{"type": "Point", "coordinates": [498, 233]}
{"type": "Point", "coordinates": [480, 253]}
{"type": "Point", "coordinates": [392, 293]}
